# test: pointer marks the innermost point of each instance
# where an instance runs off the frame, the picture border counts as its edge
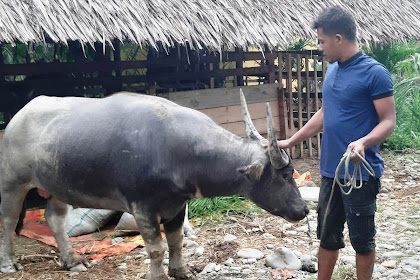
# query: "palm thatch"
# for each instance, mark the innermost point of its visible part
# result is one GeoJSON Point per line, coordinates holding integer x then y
{"type": "Point", "coordinates": [199, 23]}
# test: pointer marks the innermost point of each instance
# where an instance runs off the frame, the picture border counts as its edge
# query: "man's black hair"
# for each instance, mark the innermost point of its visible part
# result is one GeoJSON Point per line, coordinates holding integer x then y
{"type": "Point", "coordinates": [335, 20]}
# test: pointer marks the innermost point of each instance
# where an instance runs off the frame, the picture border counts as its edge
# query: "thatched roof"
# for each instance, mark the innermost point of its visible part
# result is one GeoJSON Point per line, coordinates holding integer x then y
{"type": "Point", "coordinates": [207, 23]}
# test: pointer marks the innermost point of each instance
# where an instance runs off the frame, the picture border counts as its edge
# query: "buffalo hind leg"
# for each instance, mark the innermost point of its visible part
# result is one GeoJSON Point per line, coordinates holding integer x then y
{"type": "Point", "coordinates": [149, 228]}
{"type": "Point", "coordinates": [174, 236]}
{"type": "Point", "coordinates": [55, 214]}
{"type": "Point", "coordinates": [11, 205]}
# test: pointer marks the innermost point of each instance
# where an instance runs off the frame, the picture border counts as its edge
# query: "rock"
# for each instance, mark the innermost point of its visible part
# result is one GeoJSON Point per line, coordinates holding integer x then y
{"type": "Point", "coordinates": [309, 193]}
{"type": "Point", "coordinates": [348, 259]}
{"type": "Point", "coordinates": [208, 268]}
{"type": "Point", "coordinates": [269, 246]}
{"type": "Point", "coordinates": [117, 240]}
{"type": "Point", "coordinates": [309, 184]}
{"type": "Point", "coordinates": [191, 244]}
{"type": "Point", "coordinates": [250, 260]}
{"type": "Point", "coordinates": [298, 254]}
{"type": "Point", "coordinates": [229, 262]}
{"type": "Point", "coordinates": [379, 268]}
{"type": "Point", "coordinates": [283, 258]}
{"type": "Point", "coordinates": [393, 255]}
{"type": "Point", "coordinates": [385, 235]}
{"type": "Point", "coordinates": [122, 266]}
{"type": "Point", "coordinates": [268, 236]}
{"type": "Point", "coordinates": [389, 264]}
{"type": "Point", "coordinates": [199, 251]}
{"type": "Point", "coordinates": [249, 253]}
{"type": "Point", "coordinates": [305, 259]}
{"type": "Point", "coordinates": [229, 237]}
{"type": "Point", "coordinates": [387, 246]}
{"type": "Point", "coordinates": [417, 243]}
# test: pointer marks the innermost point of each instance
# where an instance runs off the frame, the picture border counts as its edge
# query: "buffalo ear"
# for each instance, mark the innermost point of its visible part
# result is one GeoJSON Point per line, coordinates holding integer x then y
{"type": "Point", "coordinates": [253, 171]}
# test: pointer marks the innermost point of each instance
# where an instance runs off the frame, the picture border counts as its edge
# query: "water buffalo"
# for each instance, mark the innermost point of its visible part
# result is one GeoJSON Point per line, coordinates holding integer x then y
{"type": "Point", "coordinates": [139, 154]}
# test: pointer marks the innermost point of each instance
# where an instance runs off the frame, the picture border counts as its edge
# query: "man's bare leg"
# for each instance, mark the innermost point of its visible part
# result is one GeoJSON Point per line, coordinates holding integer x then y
{"type": "Point", "coordinates": [326, 263]}
{"type": "Point", "coordinates": [364, 265]}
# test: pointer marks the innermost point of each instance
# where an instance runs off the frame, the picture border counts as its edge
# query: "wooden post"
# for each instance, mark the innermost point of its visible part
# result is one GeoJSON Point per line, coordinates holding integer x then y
{"type": "Point", "coordinates": [270, 63]}
{"type": "Point", "coordinates": [239, 65]}
{"type": "Point", "coordinates": [308, 102]}
{"type": "Point", "coordinates": [318, 137]}
{"type": "Point", "coordinates": [290, 95]}
{"type": "Point", "coordinates": [117, 58]}
{"type": "Point", "coordinates": [280, 99]}
{"type": "Point", "coordinates": [211, 76]}
{"type": "Point", "coordinates": [299, 94]}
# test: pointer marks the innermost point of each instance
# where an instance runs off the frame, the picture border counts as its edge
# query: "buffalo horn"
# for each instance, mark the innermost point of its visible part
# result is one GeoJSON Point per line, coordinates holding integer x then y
{"type": "Point", "coordinates": [251, 131]}
{"type": "Point", "coordinates": [278, 157]}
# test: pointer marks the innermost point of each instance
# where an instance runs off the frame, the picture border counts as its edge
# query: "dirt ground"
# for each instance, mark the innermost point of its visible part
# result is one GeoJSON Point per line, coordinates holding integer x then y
{"type": "Point", "coordinates": [40, 261]}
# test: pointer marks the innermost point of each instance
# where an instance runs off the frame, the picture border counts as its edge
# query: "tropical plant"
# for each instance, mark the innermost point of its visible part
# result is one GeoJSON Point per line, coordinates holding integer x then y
{"type": "Point", "coordinates": [406, 74]}
{"type": "Point", "coordinates": [390, 54]}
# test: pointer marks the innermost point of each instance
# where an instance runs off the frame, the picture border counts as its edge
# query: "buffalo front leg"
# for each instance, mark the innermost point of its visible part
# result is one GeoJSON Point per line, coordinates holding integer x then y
{"type": "Point", "coordinates": [174, 236]}
{"type": "Point", "coordinates": [55, 214]}
{"type": "Point", "coordinates": [148, 224]}
{"type": "Point", "coordinates": [11, 206]}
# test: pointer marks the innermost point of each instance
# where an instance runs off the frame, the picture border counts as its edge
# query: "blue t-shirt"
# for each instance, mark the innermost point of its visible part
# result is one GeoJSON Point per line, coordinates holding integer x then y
{"type": "Point", "coordinates": [349, 113]}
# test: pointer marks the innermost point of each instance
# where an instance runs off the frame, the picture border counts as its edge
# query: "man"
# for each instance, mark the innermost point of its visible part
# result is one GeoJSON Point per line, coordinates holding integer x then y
{"type": "Point", "coordinates": [358, 113]}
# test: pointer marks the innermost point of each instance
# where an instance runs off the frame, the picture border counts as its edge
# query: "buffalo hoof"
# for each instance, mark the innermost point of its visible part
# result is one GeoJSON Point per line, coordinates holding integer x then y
{"type": "Point", "coordinates": [181, 274]}
{"type": "Point", "coordinates": [10, 267]}
{"type": "Point", "coordinates": [76, 263]}
{"type": "Point", "coordinates": [78, 268]}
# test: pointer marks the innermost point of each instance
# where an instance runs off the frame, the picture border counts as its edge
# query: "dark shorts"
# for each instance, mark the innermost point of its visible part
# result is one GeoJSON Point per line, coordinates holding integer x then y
{"type": "Point", "coordinates": [357, 209]}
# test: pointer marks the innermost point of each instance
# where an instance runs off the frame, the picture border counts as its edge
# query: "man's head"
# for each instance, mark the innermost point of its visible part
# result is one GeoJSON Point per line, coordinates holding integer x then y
{"type": "Point", "coordinates": [336, 30]}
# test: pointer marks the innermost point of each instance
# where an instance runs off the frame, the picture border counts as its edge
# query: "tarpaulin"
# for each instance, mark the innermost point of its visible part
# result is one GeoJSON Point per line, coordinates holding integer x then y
{"type": "Point", "coordinates": [96, 246]}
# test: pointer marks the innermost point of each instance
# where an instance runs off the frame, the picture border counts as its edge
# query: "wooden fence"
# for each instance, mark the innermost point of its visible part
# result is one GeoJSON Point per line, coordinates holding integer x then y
{"type": "Point", "coordinates": [297, 75]}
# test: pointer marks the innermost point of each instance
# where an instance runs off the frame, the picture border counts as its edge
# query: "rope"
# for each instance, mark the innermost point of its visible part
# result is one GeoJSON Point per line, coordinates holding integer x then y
{"type": "Point", "coordinates": [349, 181]}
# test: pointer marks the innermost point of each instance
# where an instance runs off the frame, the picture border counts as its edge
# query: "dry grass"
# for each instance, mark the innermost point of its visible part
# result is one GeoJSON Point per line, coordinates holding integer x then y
{"type": "Point", "coordinates": [198, 23]}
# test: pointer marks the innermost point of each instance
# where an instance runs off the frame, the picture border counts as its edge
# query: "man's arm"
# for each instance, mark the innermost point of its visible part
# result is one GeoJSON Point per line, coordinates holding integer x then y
{"type": "Point", "coordinates": [385, 108]}
{"type": "Point", "coordinates": [311, 128]}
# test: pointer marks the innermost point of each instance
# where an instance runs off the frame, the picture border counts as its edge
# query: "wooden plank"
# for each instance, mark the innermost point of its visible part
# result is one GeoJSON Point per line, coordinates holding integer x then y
{"type": "Point", "coordinates": [228, 56]}
{"type": "Point", "coordinates": [220, 97]}
{"type": "Point", "coordinates": [299, 92]}
{"type": "Point", "coordinates": [238, 128]}
{"type": "Point", "coordinates": [228, 114]}
{"type": "Point", "coordinates": [308, 102]}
